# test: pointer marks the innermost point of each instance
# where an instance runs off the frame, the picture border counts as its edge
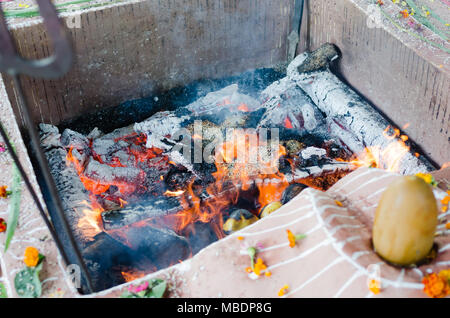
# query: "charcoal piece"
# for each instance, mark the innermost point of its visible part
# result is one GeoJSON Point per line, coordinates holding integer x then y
{"type": "Point", "coordinates": [70, 138]}
{"type": "Point", "coordinates": [106, 174]}
{"type": "Point", "coordinates": [177, 178]}
{"type": "Point", "coordinates": [162, 246]}
{"type": "Point", "coordinates": [292, 191]}
{"type": "Point", "coordinates": [151, 208]}
{"type": "Point", "coordinates": [95, 133]}
{"type": "Point", "coordinates": [102, 255]}
{"type": "Point", "coordinates": [49, 136]}
{"type": "Point", "coordinates": [319, 59]}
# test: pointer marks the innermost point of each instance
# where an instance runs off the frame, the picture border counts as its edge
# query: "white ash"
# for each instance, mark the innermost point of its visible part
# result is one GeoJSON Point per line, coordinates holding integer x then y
{"type": "Point", "coordinates": [95, 133]}
{"type": "Point", "coordinates": [70, 138]}
{"type": "Point", "coordinates": [285, 100]}
{"type": "Point", "coordinates": [313, 151]}
{"type": "Point", "coordinates": [158, 126]}
{"type": "Point", "coordinates": [179, 159]}
{"type": "Point", "coordinates": [109, 175]}
{"type": "Point", "coordinates": [226, 97]}
{"type": "Point", "coordinates": [317, 171]}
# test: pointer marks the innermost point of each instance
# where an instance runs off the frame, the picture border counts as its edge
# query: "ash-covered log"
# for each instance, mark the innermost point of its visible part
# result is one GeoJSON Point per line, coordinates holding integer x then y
{"type": "Point", "coordinates": [349, 116]}
{"type": "Point", "coordinates": [73, 194]}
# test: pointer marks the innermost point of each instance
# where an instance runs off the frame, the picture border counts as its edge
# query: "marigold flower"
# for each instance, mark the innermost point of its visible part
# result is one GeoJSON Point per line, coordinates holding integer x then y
{"type": "Point", "coordinates": [446, 200]}
{"type": "Point", "coordinates": [294, 238]}
{"type": "Point", "coordinates": [259, 267]}
{"type": "Point", "coordinates": [447, 226]}
{"type": "Point", "coordinates": [31, 258]}
{"type": "Point", "coordinates": [2, 225]}
{"type": "Point", "coordinates": [249, 270]}
{"type": "Point", "coordinates": [268, 274]}
{"type": "Point", "coordinates": [283, 290]}
{"type": "Point", "coordinates": [375, 286]}
{"type": "Point", "coordinates": [444, 209]}
{"type": "Point", "coordinates": [240, 238]}
{"type": "Point", "coordinates": [404, 13]}
{"type": "Point", "coordinates": [428, 178]}
{"type": "Point", "coordinates": [435, 286]}
{"type": "Point", "coordinates": [3, 192]}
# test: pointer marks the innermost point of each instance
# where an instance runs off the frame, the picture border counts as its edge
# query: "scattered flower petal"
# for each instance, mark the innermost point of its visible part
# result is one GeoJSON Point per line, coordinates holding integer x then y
{"type": "Point", "coordinates": [31, 257]}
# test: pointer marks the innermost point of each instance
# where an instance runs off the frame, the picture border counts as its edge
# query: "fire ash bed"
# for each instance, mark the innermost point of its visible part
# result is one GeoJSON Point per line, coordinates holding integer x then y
{"type": "Point", "coordinates": [155, 192]}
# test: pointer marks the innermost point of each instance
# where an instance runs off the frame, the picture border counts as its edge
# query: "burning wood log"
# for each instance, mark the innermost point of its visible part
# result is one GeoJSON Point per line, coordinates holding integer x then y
{"type": "Point", "coordinates": [144, 245]}
{"type": "Point", "coordinates": [152, 208]}
{"type": "Point", "coordinates": [346, 111]}
{"type": "Point", "coordinates": [105, 174]}
{"type": "Point", "coordinates": [73, 194]}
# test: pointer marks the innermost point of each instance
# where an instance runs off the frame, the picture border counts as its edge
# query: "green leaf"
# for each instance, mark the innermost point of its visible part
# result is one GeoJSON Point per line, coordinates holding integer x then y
{"type": "Point", "coordinates": [3, 293]}
{"type": "Point", "coordinates": [158, 289]}
{"type": "Point", "coordinates": [27, 282]}
{"type": "Point", "coordinates": [14, 206]}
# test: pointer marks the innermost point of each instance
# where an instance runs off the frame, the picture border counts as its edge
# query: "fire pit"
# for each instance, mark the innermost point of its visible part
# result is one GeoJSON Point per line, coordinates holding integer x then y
{"type": "Point", "coordinates": [155, 192]}
{"type": "Point", "coordinates": [151, 182]}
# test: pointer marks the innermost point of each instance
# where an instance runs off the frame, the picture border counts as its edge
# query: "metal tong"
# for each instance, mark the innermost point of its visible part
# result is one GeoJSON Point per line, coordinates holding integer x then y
{"type": "Point", "coordinates": [54, 66]}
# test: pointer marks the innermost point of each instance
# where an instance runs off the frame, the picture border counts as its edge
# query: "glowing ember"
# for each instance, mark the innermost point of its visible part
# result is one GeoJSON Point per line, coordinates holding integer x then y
{"type": "Point", "coordinates": [288, 123]}
{"type": "Point", "coordinates": [131, 275]}
{"type": "Point", "coordinates": [174, 193]}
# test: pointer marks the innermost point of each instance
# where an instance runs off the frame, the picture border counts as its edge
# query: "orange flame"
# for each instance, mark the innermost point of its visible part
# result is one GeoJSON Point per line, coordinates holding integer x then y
{"type": "Point", "coordinates": [239, 164]}
{"type": "Point", "coordinates": [388, 158]}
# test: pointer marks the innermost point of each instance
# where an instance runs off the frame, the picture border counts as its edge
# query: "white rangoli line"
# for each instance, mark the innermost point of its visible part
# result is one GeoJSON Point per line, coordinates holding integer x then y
{"type": "Point", "coordinates": [317, 275]}
{"type": "Point", "coordinates": [273, 247]}
{"type": "Point", "coordinates": [300, 256]}
{"type": "Point", "coordinates": [358, 254]}
{"type": "Point", "coordinates": [355, 276]}
{"type": "Point", "coordinates": [348, 182]}
{"type": "Point", "coordinates": [386, 175]}
{"type": "Point", "coordinates": [306, 216]}
{"type": "Point", "coordinates": [333, 216]}
{"type": "Point", "coordinates": [296, 210]}
{"type": "Point", "coordinates": [444, 248]}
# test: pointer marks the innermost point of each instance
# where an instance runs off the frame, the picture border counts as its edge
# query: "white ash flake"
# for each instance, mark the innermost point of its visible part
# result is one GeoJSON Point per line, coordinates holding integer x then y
{"type": "Point", "coordinates": [313, 151]}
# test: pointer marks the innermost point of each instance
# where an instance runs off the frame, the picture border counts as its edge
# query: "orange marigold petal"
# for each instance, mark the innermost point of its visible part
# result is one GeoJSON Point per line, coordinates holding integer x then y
{"type": "Point", "coordinates": [31, 257]}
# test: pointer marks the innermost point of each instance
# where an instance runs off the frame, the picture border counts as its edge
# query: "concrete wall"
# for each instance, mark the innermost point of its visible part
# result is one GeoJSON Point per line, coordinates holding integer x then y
{"type": "Point", "coordinates": [133, 49]}
{"type": "Point", "coordinates": [407, 79]}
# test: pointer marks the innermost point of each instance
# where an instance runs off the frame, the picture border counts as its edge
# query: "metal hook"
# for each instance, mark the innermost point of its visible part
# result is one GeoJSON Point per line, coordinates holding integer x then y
{"type": "Point", "coordinates": [54, 66]}
{"type": "Point", "coordinates": [50, 67]}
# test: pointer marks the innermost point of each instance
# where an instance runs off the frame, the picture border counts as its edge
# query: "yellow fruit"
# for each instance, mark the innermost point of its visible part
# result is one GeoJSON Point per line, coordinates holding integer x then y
{"type": "Point", "coordinates": [238, 220]}
{"type": "Point", "coordinates": [405, 221]}
{"type": "Point", "coordinates": [270, 208]}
